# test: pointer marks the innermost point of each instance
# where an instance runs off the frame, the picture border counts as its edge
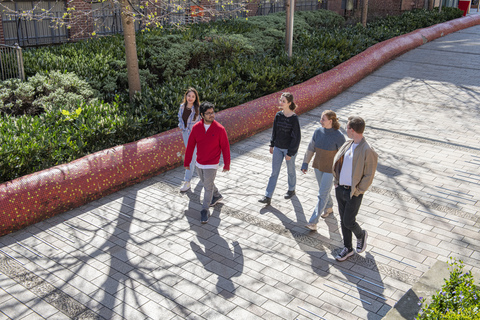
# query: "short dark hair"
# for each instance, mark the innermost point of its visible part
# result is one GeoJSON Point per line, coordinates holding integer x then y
{"type": "Point", "coordinates": [204, 106]}
{"type": "Point", "coordinates": [356, 123]}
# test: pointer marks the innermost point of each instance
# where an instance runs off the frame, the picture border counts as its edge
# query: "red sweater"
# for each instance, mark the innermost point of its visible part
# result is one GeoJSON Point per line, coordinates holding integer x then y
{"type": "Point", "coordinates": [209, 145]}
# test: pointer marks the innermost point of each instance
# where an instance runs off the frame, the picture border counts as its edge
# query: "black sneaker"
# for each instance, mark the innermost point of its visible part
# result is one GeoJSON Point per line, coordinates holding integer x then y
{"type": "Point", "coordinates": [204, 218]}
{"type": "Point", "coordinates": [344, 254]}
{"type": "Point", "coordinates": [215, 200]}
{"type": "Point", "coordinates": [362, 243]}
{"type": "Point", "coordinates": [289, 194]}
{"type": "Point", "coordinates": [265, 200]}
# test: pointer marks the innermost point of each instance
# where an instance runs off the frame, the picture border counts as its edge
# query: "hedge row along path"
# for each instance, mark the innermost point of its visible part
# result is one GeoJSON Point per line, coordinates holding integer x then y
{"type": "Point", "coordinates": [35, 197]}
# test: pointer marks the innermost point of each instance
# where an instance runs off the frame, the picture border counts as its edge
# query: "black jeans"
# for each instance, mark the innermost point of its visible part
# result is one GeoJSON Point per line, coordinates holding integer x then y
{"type": "Point", "coordinates": [348, 209]}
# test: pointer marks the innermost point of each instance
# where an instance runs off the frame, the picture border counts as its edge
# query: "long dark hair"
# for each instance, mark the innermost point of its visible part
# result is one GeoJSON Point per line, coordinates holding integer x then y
{"type": "Point", "coordinates": [196, 103]}
{"type": "Point", "coordinates": [289, 98]}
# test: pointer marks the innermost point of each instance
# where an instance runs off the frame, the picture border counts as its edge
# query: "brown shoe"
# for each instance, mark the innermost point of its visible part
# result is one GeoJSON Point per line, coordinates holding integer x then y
{"type": "Point", "coordinates": [326, 212]}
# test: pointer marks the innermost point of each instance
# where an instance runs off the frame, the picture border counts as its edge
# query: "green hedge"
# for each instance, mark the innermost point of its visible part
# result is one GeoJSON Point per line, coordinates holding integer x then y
{"type": "Point", "coordinates": [228, 62]}
{"type": "Point", "coordinates": [165, 54]}
{"type": "Point", "coordinates": [29, 144]}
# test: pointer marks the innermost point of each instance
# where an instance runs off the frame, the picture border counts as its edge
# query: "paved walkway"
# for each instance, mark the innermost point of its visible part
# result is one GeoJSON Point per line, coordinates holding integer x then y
{"type": "Point", "coordinates": [141, 253]}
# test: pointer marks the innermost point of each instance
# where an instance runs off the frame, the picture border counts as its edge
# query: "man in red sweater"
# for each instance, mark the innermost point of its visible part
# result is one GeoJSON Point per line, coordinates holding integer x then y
{"type": "Point", "coordinates": [210, 139]}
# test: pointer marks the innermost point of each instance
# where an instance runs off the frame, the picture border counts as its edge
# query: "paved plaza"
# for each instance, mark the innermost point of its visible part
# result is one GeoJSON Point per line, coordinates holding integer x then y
{"type": "Point", "coordinates": [142, 253]}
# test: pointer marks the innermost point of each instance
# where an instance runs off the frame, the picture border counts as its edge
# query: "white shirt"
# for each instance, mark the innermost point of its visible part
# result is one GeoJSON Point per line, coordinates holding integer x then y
{"type": "Point", "coordinates": [346, 172]}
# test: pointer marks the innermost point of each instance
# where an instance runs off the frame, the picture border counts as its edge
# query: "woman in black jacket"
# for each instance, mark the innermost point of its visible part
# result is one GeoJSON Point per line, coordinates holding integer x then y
{"type": "Point", "coordinates": [284, 144]}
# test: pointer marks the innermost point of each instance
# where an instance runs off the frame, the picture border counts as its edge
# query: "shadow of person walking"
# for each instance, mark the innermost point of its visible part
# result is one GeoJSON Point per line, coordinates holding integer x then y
{"type": "Point", "coordinates": [356, 279]}
{"type": "Point", "coordinates": [214, 251]}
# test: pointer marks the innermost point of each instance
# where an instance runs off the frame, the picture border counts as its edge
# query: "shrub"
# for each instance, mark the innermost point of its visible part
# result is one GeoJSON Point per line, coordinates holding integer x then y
{"type": "Point", "coordinates": [321, 19]}
{"type": "Point", "coordinates": [92, 60]}
{"type": "Point", "coordinates": [391, 26]}
{"type": "Point", "coordinates": [170, 56]}
{"type": "Point", "coordinates": [50, 92]}
{"type": "Point", "coordinates": [459, 298]}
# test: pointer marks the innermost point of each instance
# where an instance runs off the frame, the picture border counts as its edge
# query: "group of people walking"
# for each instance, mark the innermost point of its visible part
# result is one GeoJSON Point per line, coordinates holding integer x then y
{"type": "Point", "coordinates": [348, 165]}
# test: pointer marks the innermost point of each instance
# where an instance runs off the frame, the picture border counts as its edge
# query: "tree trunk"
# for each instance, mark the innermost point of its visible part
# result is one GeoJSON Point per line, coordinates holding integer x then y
{"type": "Point", "coordinates": [130, 49]}
{"type": "Point", "coordinates": [287, 24]}
{"type": "Point", "coordinates": [440, 6]}
{"type": "Point", "coordinates": [364, 13]}
{"type": "Point", "coordinates": [290, 12]}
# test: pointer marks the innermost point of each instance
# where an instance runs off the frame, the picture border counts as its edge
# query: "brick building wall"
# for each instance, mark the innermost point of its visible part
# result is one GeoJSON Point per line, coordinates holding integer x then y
{"type": "Point", "coordinates": [381, 8]}
{"type": "Point", "coordinates": [2, 37]}
{"type": "Point", "coordinates": [82, 26]}
{"type": "Point", "coordinates": [335, 6]}
{"type": "Point", "coordinates": [252, 8]}
{"type": "Point", "coordinates": [378, 8]}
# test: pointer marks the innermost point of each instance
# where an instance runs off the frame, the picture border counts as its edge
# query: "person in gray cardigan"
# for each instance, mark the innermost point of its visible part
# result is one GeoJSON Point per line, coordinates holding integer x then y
{"type": "Point", "coordinates": [324, 145]}
{"type": "Point", "coordinates": [354, 167]}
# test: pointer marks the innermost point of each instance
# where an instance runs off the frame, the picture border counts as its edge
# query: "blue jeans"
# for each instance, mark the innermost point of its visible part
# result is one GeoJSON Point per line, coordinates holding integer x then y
{"type": "Point", "coordinates": [348, 210]}
{"type": "Point", "coordinates": [189, 172]}
{"type": "Point", "coordinates": [325, 182]}
{"type": "Point", "coordinates": [277, 159]}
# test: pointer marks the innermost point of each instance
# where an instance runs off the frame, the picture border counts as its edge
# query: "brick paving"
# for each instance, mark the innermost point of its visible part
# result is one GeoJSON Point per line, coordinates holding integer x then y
{"type": "Point", "coordinates": [142, 253]}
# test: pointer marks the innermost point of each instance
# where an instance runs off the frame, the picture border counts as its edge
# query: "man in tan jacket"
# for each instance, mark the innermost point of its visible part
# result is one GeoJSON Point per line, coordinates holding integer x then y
{"type": "Point", "coordinates": [354, 167]}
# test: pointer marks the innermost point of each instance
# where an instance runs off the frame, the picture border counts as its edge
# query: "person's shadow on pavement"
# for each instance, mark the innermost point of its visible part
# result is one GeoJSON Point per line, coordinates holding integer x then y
{"type": "Point", "coordinates": [369, 284]}
{"type": "Point", "coordinates": [216, 255]}
{"type": "Point", "coordinates": [370, 289]}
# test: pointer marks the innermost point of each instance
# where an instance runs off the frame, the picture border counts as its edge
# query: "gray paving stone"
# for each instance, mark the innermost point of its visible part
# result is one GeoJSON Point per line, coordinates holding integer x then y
{"type": "Point", "coordinates": [31, 316]}
{"type": "Point", "coordinates": [157, 311]}
{"type": "Point", "coordinates": [240, 313]}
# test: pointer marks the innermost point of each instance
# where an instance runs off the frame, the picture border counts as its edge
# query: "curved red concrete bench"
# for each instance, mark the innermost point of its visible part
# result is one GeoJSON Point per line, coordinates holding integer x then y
{"type": "Point", "coordinates": [43, 194]}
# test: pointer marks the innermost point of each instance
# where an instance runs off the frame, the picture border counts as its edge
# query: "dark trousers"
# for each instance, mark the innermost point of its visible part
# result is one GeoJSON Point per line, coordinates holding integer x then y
{"type": "Point", "coordinates": [348, 209]}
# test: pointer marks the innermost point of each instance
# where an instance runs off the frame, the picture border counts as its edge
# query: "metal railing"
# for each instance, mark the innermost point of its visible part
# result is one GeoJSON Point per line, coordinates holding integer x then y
{"type": "Point", "coordinates": [450, 3]}
{"type": "Point", "coordinates": [107, 19]}
{"type": "Point", "coordinates": [11, 62]}
{"type": "Point", "coordinates": [32, 32]}
{"type": "Point", "coordinates": [271, 6]}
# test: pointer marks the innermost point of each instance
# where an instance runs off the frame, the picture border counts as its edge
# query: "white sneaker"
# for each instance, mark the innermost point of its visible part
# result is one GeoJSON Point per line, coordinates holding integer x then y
{"type": "Point", "coordinates": [311, 226]}
{"type": "Point", "coordinates": [185, 186]}
{"type": "Point", "coordinates": [326, 212]}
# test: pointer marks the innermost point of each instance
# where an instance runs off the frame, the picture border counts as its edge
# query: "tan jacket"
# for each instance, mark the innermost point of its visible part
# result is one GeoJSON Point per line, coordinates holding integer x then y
{"type": "Point", "coordinates": [364, 165]}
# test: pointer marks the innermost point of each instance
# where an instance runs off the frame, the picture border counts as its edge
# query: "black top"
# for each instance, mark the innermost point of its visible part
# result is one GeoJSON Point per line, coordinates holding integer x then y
{"type": "Point", "coordinates": [186, 113]}
{"type": "Point", "coordinates": [286, 133]}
